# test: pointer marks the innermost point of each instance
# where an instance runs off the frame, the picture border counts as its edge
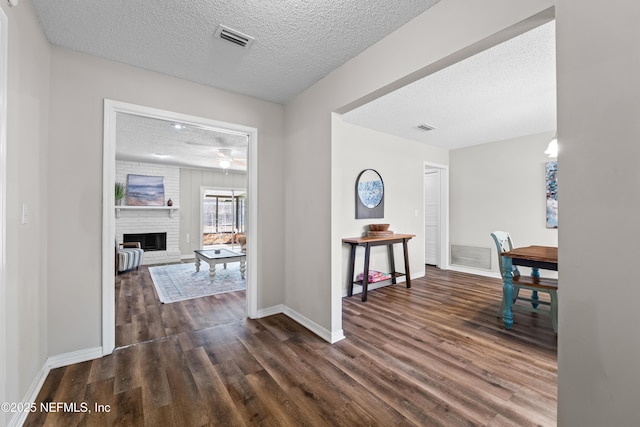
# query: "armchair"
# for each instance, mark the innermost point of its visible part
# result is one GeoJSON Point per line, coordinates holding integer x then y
{"type": "Point", "coordinates": [128, 256]}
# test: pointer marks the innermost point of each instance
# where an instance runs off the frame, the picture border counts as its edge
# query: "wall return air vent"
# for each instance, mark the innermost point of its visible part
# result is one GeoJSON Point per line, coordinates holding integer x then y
{"type": "Point", "coordinates": [236, 37]}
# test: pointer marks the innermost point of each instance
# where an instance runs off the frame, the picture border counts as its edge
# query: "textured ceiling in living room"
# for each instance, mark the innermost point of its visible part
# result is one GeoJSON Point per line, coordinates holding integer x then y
{"type": "Point", "coordinates": [504, 92]}
{"type": "Point", "coordinates": [150, 140]}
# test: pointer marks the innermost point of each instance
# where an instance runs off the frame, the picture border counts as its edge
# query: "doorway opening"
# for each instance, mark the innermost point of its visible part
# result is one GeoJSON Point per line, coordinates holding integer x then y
{"type": "Point", "coordinates": [436, 214]}
{"type": "Point", "coordinates": [114, 111]}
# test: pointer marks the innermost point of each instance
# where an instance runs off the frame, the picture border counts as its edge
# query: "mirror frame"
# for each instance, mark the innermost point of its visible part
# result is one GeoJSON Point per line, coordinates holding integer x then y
{"type": "Point", "coordinates": [363, 211]}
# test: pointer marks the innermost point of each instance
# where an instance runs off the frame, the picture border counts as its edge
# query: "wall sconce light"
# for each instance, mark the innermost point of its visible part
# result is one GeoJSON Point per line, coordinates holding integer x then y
{"type": "Point", "coordinates": [552, 148]}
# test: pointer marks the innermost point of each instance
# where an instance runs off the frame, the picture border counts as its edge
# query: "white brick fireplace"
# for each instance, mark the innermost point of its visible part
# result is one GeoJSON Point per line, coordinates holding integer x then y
{"type": "Point", "coordinates": [152, 219]}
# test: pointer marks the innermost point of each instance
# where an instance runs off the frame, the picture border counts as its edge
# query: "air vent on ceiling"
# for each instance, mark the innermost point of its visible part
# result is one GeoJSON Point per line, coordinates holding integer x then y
{"type": "Point", "coordinates": [233, 36]}
{"type": "Point", "coordinates": [425, 127]}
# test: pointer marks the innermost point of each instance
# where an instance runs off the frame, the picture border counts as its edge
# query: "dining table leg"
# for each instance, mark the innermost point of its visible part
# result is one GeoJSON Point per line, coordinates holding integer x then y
{"type": "Point", "coordinates": [535, 272]}
{"type": "Point", "coordinates": [507, 291]}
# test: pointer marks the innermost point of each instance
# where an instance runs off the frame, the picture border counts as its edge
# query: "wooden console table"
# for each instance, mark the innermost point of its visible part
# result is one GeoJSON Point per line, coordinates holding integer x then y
{"type": "Point", "coordinates": [367, 243]}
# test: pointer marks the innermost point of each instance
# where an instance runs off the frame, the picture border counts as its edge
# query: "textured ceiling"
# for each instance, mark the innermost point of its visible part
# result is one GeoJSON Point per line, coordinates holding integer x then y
{"type": "Point", "coordinates": [504, 92]}
{"type": "Point", "coordinates": [296, 42]}
{"type": "Point", "coordinates": [148, 140]}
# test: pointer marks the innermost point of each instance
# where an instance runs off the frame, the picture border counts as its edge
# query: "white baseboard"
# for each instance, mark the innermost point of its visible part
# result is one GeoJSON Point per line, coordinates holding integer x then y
{"type": "Point", "coordinates": [270, 311]}
{"type": "Point", "coordinates": [325, 334]}
{"type": "Point", "coordinates": [79, 356]}
{"type": "Point", "coordinates": [52, 362]}
{"type": "Point", "coordinates": [485, 273]}
{"type": "Point", "coordinates": [32, 393]}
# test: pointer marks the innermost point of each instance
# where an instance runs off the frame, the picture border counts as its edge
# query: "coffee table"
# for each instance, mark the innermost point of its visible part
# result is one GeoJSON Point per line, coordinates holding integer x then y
{"type": "Point", "coordinates": [220, 256]}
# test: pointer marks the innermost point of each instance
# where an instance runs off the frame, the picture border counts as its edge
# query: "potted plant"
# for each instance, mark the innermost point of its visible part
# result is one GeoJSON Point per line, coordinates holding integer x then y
{"type": "Point", "coordinates": [119, 193]}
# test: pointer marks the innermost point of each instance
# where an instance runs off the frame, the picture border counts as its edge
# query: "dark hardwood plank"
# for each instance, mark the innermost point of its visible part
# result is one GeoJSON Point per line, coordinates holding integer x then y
{"type": "Point", "coordinates": [432, 355]}
{"type": "Point", "coordinates": [220, 407]}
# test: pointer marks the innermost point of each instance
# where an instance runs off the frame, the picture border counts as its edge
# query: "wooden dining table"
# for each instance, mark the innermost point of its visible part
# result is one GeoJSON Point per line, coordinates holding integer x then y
{"type": "Point", "coordinates": [535, 257]}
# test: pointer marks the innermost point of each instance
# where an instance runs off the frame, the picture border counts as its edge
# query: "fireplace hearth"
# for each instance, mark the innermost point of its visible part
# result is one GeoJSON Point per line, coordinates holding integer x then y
{"type": "Point", "coordinates": [148, 241]}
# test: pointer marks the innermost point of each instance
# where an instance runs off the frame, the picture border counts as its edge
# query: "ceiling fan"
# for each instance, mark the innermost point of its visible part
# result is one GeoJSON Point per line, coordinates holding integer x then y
{"type": "Point", "coordinates": [227, 159]}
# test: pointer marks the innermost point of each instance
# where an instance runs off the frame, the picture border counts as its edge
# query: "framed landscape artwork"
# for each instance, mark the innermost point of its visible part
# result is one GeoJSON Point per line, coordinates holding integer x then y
{"type": "Point", "coordinates": [144, 190]}
{"type": "Point", "coordinates": [551, 169]}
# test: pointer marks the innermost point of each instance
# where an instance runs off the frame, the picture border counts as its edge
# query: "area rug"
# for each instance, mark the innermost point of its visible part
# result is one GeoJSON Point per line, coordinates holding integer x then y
{"type": "Point", "coordinates": [179, 282]}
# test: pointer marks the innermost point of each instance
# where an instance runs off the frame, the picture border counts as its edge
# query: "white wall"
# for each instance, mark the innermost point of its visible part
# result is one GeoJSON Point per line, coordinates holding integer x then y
{"type": "Point", "coordinates": [27, 283]}
{"type": "Point", "coordinates": [501, 186]}
{"type": "Point", "coordinates": [599, 179]}
{"type": "Point", "coordinates": [312, 199]}
{"type": "Point", "coordinates": [598, 129]}
{"type": "Point", "coordinates": [400, 162]}
{"type": "Point", "coordinates": [191, 180]}
{"type": "Point", "coordinates": [79, 85]}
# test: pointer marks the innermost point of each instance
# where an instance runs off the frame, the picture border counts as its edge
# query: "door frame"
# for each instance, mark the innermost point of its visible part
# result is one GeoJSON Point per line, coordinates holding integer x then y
{"type": "Point", "coordinates": [443, 256]}
{"type": "Point", "coordinates": [111, 108]}
{"type": "Point", "coordinates": [433, 173]}
{"type": "Point", "coordinates": [4, 62]}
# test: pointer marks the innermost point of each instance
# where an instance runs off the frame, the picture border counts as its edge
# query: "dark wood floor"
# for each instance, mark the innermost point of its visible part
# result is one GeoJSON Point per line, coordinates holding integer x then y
{"type": "Point", "coordinates": [432, 355]}
{"type": "Point", "coordinates": [140, 316]}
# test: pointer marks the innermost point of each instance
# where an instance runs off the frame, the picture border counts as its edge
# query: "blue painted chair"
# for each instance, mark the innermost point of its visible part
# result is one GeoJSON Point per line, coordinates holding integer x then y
{"type": "Point", "coordinates": [504, 243]}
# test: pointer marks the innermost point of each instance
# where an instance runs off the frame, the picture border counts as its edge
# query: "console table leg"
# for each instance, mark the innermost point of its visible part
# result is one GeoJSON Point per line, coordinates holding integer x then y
{"type": "Point", "coordinates": [392, 263]}
{"type": "Point", "coordinates": [352, 260]}
{"type": "Point", "coordinates": [406, 262]}
{"type": "Point", "coordinates": [365, 274]}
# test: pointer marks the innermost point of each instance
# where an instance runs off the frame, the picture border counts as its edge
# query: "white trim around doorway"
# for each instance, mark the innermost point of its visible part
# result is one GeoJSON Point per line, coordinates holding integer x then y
{"type": "Point", "coordinates": [4, 61]}
{"type": "Point", "coordinates": [443, 261]}
{"type": "Point", "coordinates": [111, 108]}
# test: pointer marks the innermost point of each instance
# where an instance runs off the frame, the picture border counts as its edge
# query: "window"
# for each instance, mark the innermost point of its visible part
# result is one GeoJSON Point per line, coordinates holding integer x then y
{"type": "Point", "coordinates": [223, 215]}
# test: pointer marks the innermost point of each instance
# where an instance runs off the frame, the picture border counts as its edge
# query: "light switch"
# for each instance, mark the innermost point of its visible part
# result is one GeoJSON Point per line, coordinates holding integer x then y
{"type": "Point", "coordinates": [25, 214]}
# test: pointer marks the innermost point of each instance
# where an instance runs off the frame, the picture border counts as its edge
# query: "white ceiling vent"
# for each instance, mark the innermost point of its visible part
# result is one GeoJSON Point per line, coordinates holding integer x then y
{"type": "Point", "coordinates": [425, 127]}
{"type": "Point", "coordinates": [233, 36]}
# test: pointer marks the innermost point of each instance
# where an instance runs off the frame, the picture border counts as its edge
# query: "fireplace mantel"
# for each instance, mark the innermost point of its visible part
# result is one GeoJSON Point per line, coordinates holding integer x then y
{"type": "Point", "coordinates": [170, 209]}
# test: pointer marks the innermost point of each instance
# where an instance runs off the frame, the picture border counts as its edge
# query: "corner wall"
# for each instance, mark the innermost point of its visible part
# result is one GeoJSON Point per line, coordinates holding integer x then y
{"type": "Point", "coordinates": [79, 85]}
{"type": "Point", "coordinates": [312, 196]}
{"type": "Point", "coordinates": [400, 162]}
{"type": "Point", "coordinates": [501, 186]}
{"type": "Point", "coordinates": [598, 134]}
{"type": "Point", "coordinates": [27, 282]}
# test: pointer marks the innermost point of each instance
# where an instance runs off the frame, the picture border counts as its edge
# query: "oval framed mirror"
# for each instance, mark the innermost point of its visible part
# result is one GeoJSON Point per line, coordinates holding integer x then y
{"type": "Point", "coordinates": [369, 195]}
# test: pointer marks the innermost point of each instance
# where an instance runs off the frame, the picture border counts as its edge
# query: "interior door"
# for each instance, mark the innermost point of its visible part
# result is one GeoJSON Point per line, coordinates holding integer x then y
{"type": "Point", "coordinates": [432, 216]}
